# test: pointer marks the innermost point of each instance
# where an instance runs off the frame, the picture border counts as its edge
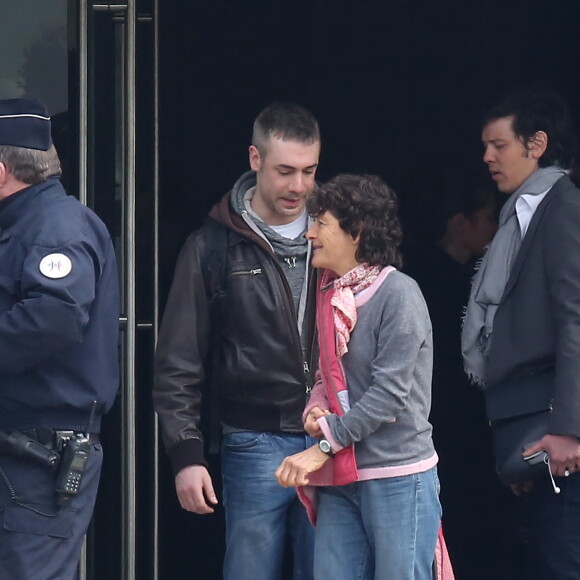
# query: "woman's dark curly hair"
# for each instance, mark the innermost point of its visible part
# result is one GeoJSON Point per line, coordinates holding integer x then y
{"type": "Point", "coordinates": [365, 205]}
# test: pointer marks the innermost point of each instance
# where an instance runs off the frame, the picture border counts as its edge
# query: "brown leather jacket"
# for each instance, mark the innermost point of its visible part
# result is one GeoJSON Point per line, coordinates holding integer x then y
{"type": "Point", "coordinates": [259, 371]}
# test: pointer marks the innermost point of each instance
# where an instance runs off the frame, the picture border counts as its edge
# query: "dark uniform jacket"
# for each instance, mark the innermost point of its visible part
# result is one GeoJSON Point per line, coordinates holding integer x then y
{"type": "Point", "coordinates": [259, 371]}
{"type": "Point", "coordinates": [59, 311]}
{"type": "Point", "coordinates": [537, 324]}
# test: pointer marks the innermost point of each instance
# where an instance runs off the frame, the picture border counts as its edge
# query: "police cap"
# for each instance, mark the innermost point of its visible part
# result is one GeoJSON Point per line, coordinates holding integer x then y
{"type": "Point", "coordinates": [25, 123]}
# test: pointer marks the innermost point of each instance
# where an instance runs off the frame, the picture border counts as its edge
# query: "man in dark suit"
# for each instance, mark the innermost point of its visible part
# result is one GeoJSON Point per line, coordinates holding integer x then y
{"type": "Point", "coordinates": [524, 311]}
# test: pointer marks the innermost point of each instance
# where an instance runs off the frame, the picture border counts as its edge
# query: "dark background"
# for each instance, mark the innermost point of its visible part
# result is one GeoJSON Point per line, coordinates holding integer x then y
{"type": "Point", "coordinates": [397, 86]}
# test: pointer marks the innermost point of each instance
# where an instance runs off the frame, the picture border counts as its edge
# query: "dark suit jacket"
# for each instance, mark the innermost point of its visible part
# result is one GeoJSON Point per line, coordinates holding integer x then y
{"type": "Point", "coordinates": [537, 324]}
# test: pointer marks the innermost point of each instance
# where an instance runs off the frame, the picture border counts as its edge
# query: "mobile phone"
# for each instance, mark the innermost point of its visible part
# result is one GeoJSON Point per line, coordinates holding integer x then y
{"type": "Point", "coordinates": [537, 457]}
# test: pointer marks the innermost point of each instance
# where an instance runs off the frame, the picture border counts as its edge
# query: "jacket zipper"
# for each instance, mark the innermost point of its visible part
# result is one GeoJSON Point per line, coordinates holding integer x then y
{"type": "Point", "coordinates": [294, 325]}
{"type": "Point", "coordinates": [246, 272]}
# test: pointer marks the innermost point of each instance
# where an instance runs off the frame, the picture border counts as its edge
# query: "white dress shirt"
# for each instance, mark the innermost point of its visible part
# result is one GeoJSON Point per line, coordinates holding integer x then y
{"type": "Point", "coordinates": [526, 206]}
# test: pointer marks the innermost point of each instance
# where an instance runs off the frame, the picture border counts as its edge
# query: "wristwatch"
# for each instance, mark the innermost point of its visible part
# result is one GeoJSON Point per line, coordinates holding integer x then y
{"type": "Point", "coordinates": [325, 447]}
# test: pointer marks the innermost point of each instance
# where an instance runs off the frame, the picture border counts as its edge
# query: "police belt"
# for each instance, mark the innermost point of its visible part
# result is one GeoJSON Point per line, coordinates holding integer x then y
{"type": "Point", "coordinates": [54, 438]}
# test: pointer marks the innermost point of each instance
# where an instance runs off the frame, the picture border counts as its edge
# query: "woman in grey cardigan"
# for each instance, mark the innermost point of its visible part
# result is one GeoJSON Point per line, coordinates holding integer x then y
{"type": "Point", "coordinates": [370, 483]}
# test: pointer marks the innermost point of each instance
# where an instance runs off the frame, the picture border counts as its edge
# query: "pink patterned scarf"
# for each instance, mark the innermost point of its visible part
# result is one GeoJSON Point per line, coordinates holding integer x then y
{"type": "Point", "coordinates": [344, 307]}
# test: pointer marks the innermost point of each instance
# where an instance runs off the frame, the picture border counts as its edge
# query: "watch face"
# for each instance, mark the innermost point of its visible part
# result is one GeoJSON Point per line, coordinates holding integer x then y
{"type": "Point", "coordinates": [324, 446]}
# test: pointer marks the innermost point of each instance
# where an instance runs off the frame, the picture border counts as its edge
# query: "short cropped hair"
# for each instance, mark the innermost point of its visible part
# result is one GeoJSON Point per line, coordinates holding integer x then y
{"type": "Point", "coordinates": [540, 109]}
{"type": "Point", "coordinates": [286, 121]}
{"type": "Point", "coordinates": [365, 205]}
{"type": "Point", "coordinates": [30, 166]}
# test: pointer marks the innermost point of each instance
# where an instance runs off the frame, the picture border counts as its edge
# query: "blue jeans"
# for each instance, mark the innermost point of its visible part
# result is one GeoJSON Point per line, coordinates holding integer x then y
{"type": "Point", "coordinates": [260, 514]}
{"type": "Point", "coordinates": [382, 529]}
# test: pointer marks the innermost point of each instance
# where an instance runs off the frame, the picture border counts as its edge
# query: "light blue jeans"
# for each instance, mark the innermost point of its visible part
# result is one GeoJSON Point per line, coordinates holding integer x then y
{"type": "Point", "coordinates": [260, 514]}
{"type": "Point", "coordinates": [382, 529]}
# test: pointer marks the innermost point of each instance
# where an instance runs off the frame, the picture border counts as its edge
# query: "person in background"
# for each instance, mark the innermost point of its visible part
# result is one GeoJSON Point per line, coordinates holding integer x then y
{"type": "Point", "coordinates": [59, 325]}
{"type": "Point", "coordinates": [377, 508]}
{"type": "Point", "coordinates": [457, 220]}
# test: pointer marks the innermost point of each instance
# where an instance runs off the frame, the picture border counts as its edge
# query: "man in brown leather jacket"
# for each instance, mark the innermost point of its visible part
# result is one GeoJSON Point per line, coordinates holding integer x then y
{"type": "Point", "coordinates": [261, 364]}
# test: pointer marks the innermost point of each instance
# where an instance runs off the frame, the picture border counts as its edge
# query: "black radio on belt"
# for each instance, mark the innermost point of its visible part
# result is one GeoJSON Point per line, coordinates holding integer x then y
{"type": "Point", "coordinates": [73, 462]}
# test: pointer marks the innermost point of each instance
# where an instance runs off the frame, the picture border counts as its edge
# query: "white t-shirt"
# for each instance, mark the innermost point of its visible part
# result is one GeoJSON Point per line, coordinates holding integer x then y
{"type": "Point", "coordinates": [293, 229]}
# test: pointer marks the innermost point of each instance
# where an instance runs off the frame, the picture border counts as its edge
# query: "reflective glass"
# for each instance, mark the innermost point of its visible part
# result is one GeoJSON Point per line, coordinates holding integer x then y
{"type": "Point", "coordinates": [33, 44]}
{"type": "Point", "coordinates": [34, 48]}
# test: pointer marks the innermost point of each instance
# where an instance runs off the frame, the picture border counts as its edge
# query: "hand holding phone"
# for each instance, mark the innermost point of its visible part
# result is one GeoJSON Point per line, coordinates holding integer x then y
{"type": "Point", "coordinates": [537, 457]}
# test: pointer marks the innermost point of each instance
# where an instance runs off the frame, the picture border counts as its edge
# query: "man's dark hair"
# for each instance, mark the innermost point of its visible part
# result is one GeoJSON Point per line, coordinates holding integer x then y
{"type": "Point", "coordinates": [365, 205]}
{"type": "Point", "coordinates": [540, 109]}
{"type": "Point", "coordinates": [286, 121]}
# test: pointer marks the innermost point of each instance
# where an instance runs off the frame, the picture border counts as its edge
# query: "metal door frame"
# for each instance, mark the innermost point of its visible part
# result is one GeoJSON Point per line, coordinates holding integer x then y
{"type": "Point", "coordinates": [130, 21]}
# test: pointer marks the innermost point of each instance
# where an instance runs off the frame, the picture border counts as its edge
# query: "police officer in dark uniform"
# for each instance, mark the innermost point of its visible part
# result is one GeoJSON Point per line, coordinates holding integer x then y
{"type": "Point", "coordinates": [59, 316]}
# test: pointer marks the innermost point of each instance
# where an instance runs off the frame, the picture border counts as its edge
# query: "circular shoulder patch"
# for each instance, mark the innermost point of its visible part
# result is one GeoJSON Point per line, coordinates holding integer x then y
{"type": "Point", "coordinates": [55, 266]}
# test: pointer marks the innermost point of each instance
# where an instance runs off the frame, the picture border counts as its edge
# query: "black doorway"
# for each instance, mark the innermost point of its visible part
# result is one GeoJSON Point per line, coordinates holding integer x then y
{"type": "Point", "coordinates": [396, 86]}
